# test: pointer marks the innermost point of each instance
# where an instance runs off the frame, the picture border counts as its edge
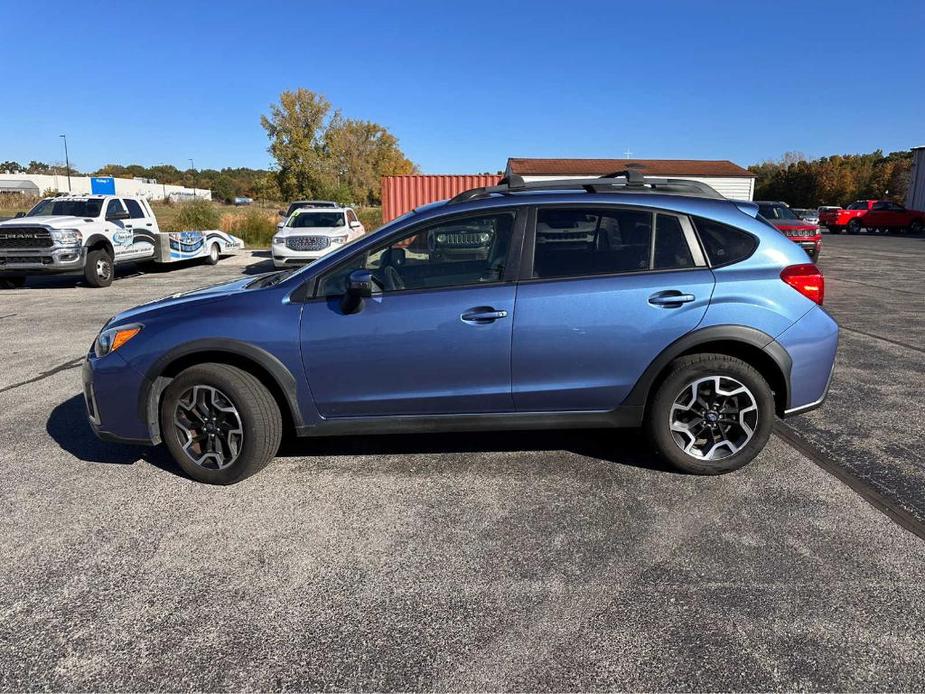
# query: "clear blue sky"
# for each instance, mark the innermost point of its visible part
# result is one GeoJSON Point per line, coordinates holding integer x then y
{"type": "Point", "coordinates": [464, 85]}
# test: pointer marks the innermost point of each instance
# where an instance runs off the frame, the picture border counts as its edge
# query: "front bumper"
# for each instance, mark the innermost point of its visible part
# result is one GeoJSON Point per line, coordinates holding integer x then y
{"type": "Point", "coordinates": [32, 260]}
{"type": "Point", "coordinates": [283, 256]}
{"type": "Point", "coordinates": [111, 388]}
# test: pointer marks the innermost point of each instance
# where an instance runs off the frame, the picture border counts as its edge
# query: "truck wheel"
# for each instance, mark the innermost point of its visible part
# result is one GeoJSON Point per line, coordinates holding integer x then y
{"type": "Point", "coordinates": [220, 423]}
{"type": "Point", "coordinates": [99, 269]}
{"type": "Point", "coordinates": [712, 414]}
{"type": "Point", "coordinates": [214, 254]}
{"type": "Point", "coordinates": [12, 282]}
{"type": "Point", "coordinates": [854, 227]}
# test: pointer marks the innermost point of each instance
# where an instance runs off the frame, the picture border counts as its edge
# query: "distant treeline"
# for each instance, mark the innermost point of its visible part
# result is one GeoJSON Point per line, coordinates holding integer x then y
{"type": "Point", "coordinates": [835, 180]}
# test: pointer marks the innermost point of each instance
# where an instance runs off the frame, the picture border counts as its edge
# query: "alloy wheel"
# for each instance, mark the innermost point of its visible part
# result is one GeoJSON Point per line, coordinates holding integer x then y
{"type": "Point", "coordinates": [713, 417]}
{"type": "Point", "coordinates": [209, 427]}
{"type": "Point", "coordinates": [103, 269]}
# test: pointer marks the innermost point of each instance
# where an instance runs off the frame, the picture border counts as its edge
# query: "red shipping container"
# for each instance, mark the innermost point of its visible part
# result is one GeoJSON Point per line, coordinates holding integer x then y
{"type": "Point", "coordinates": [401, 194]}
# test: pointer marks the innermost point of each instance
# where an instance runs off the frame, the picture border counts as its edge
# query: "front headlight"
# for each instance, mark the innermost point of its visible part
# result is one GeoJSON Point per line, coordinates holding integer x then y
{"type": "Point", "coordinates": [339, 239]}
{"type": "Point", "coordinates": [279, 240]}
{"type": "Point", "coordinates": [66, 237]}
{"type": "Point", "coordinates": [112, 339]}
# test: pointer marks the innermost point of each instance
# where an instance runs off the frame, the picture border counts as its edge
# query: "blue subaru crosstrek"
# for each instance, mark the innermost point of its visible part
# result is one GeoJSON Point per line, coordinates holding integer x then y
{"type": "Point", "coordinates": [600, 303]}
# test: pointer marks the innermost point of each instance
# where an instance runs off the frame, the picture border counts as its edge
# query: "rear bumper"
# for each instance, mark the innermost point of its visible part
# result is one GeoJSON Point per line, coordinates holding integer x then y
{"type": "Point", "coordinates": [812, 343]}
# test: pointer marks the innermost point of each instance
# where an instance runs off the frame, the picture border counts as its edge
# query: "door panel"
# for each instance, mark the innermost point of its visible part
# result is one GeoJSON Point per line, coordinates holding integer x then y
{"type": "Point", "coordinates": [581, 344]}
{"type": "Point", "coordinates": [411, 353]}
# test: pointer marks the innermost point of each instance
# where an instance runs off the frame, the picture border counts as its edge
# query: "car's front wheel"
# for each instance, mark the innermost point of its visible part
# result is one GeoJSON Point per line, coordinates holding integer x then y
{"type": "Point", "coordinates": [99, 269]}
{"type": "Point", "coordinates": [854, 227]}
{"type": "Point", "coordinates": [711, 414]}
{"type": "Point", "coordinates": [220, 423]}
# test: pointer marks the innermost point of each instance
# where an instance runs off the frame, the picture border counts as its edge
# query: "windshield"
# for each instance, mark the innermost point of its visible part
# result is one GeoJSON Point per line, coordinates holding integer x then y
{"type": "Point", "coordinates": [313, 220]}
{"type": "Point", "coordinates": [68, 208]}
{"type": "Point", "coordinates": [859, 205]}
{"type": "Point", "coordinates": [308, 203]}
{"type": "Point", "coordinates": [776, 211]}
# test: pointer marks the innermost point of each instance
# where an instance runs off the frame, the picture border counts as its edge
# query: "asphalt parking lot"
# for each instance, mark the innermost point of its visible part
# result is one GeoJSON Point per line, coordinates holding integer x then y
{"type": "Point", "coordinates": [509, 561]}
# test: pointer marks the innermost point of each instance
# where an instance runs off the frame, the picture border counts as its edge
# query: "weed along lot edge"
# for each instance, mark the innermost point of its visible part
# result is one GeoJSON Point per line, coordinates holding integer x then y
{"type": "Point", "coordinates": [560, 560]}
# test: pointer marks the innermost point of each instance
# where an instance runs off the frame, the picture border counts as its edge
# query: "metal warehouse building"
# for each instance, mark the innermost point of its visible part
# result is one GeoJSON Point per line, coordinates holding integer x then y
{"type": "Point", "coordinates": [915, 195]}
{"type": "Point", "coordinates": [401, 194]}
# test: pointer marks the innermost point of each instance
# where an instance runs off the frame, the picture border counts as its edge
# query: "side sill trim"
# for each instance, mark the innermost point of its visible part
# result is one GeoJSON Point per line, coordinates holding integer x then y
{"type": "Point", "coordinates": [622, 417]}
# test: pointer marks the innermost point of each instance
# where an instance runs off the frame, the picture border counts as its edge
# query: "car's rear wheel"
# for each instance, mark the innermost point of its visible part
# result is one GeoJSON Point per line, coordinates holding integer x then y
{"type": "Point", "coordinates": [854, 227]}
{"type": "Point", "coordinates": [220, 423]}
{"type": "Point", "coordinates": [12, 282]}
{"type": "Point", "coordinates": [711, 414]}
{"type": "Point", "coordinates": [917, 227]}
{"type": "Point", "coordinates": [214, 255]}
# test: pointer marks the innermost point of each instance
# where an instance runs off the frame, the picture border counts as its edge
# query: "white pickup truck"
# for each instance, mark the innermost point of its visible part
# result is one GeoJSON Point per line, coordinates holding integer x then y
{"type": "Point", "coordinates": [94, 233]}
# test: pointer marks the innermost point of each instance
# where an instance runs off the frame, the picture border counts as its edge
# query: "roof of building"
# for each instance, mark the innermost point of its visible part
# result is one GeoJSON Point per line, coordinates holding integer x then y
{"type": "Point", "coordinates": [8, 185]}
{"type": "Point", "coordinates": [600, 167]}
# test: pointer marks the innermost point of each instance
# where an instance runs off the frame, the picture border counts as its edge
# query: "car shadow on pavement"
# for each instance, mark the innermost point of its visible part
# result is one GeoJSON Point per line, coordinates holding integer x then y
{"type": "Point", "coordinates": [624, 447]}
{"type": "Point", "coordinates": [67, 425]}
{"type": "Point", "coordinates": [69, 428]}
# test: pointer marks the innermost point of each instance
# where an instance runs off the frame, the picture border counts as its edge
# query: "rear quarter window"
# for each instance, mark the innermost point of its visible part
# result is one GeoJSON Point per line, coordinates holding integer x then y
{"type": "Point", "coordinates": [724, 244]}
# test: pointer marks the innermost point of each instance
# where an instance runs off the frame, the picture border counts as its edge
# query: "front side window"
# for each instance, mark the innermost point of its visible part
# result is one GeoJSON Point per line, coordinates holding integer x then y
{"type": "Point", "coordinates": [461, 252]}
{"type": "Point", "coordinates": [134, 209]}
{"type": "Point", "coordinates": [316, 220]}
{"type": "Point", "coordinates": [115, 207]}
{"type": "Point", "coordinates": [579, 242]}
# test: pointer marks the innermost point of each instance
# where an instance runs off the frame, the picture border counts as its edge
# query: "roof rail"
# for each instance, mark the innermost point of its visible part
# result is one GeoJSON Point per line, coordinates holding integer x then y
{"type": "Point", "coordinates": [628, 181]}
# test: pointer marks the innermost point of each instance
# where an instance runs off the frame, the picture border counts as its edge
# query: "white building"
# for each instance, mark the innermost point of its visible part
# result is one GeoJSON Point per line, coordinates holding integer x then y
{"type": "Point", "coordinates": [915, 195]}
{"type": "Point", "coordinates": [728, 179]}
{"type": "Point", "coordinates": [81, 185]}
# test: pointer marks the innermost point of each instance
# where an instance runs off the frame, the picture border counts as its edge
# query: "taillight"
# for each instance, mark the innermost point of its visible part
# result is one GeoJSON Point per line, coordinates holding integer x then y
{"type": "Point", "coordinates": [806, 279]}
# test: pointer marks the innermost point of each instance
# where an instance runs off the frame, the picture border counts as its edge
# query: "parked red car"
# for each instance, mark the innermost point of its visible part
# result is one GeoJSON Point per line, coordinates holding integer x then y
{"type": "Point", "coordinates": [836, 221]}
{"type": "Point", "coordinates": [873, 214]}
{"type": "Point", "coordinates": [806, 235]}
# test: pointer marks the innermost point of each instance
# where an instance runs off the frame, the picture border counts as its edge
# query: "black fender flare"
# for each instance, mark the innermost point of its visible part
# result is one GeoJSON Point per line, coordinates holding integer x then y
{"type": "Point", "coordinates": [750, 337]}
{"type": "Point", "coordinates": [155, 382]}
{"type": "Point", "coordinates": [97, 238]}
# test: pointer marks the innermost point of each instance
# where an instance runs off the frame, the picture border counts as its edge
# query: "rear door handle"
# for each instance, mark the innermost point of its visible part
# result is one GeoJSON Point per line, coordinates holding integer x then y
{"type": "Point", "coordinates": [482, 314]}
{"type": "Point", "coordinates": [670, 299]}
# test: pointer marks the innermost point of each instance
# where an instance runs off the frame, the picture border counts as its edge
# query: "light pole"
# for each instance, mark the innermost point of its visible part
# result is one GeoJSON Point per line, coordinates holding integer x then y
{"type": "Point", "coordinates": [67, 163]}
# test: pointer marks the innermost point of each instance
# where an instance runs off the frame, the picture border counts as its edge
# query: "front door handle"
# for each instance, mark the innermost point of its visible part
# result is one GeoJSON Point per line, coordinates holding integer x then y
{"type": "Point", "coordinates": [670, 299]}
{"type": "Point", "coordinates": [482, 314]}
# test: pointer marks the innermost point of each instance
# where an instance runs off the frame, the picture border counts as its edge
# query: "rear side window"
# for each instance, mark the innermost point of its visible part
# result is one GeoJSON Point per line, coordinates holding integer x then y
{"type": "Point", "coordinates": [724, 244]}
{"type": "Point", "coordinates": [580, 242]}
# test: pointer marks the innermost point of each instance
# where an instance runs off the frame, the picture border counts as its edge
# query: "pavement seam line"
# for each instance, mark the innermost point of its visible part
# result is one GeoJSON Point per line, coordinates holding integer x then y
{"type": "Point", "coordinates": [885, 339]}
{"type": "Point", "coordinates": [72, 364]}
{"type": "Point", "coordinates": [873, 496]}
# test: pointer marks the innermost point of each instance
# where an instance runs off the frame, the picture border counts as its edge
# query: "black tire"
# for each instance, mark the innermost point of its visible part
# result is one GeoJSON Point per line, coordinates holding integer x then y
{"type": "Point", "coordinates": [259, 413]}
{"type": "Point", "coordinates": [214, 255]}
{"type": "Point", "coordinates": [99, 269]}
{"type": "Point", "coordinates": [916, 227]}
{"type": "Point", "coordinates": [12, 282]}
{"type": "Point", "coordinates": [854, 227]}
{"type": "Point", "coordinates": [684, 372]}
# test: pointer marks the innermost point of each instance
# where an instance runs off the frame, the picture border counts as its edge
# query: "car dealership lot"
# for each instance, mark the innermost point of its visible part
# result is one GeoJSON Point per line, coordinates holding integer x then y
{"type": "Point", "coordinates": [568, 560]}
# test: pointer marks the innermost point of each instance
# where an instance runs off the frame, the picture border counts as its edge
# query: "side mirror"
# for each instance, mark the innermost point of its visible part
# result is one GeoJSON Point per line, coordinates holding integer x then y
{"type": "Point", "coordinates": [282, 213]}
{"type": "Point", "coordinates": [117, 215]}
{"type": "Point", "coordinates": [359, 287]}
{"type": "Point", "coordinates": [19, 214]}
{"type": "Point", "coordinates": [355, 225]}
